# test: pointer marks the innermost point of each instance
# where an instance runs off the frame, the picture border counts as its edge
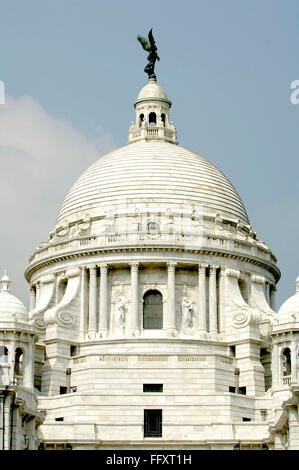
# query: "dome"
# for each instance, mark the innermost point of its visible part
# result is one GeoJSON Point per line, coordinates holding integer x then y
{"type": "Point", "coordinates": [152, 90]}
{"type": "Point", "coordinates": [11, 308]}
{"type": "Point", "coordinates": [290, 308]}
{"type": "Point", "coordinates": [152, 172]}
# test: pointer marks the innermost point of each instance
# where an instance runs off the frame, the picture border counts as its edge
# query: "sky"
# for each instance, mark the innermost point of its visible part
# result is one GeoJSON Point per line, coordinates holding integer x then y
{"type": "Point", "coordinates": [73, 68]}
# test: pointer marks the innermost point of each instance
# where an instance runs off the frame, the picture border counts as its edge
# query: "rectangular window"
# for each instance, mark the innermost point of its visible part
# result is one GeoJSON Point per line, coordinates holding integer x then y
{"type": "Point", "coordinates": [242, 390]}
{"type": "Point", "coordinates": [153, 388]}
{"type": "Point", "coordinates": [232, 389]}
{"type": "Point", "coordinates": [152, 423]}
{"type": "Point", "coordinates": [59, 419]}
{"type": "Point", "coordinates": [246, 419]}
{"type": "Point", "coordinates": [62, 390]}
{"type": "Point", "coordinates": [73, 350]}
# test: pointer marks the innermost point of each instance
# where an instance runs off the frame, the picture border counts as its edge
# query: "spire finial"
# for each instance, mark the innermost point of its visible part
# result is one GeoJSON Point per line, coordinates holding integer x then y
{"type": "Point", "coordinates": [150, 46]}
{"type": "Point", "coordinates": [5, 282]}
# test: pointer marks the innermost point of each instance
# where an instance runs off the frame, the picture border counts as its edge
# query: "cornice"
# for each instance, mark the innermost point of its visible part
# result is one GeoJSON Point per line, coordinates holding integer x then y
{"type": "Point", "coordinates": [145, 248]}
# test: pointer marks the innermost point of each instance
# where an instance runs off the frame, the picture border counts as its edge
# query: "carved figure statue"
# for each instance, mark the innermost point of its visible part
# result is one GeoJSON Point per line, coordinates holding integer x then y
{"type": "Point", "coordinates": [150, 46]}
{"type": "Point", "coordinates": [119, 313]}
{"type": "Point", "coordinates": [187, 312]}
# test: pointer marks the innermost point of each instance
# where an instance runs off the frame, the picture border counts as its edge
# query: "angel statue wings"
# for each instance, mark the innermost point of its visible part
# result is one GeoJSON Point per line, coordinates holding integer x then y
{"type": "Point", "coordinates": [150, 46]}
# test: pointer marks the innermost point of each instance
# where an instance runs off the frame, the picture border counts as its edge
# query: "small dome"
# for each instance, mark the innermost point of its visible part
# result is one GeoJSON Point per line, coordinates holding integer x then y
{"type": "Point", "coordinates": [11, 308]}
{"type": "Point", "coordinates": [290, 308]}
{"type": "Point", "coordinates": [152, 90]}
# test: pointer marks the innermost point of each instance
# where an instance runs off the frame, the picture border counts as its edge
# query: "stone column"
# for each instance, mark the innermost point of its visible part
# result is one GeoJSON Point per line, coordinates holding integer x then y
{"type": "Point", "coordinates": [103, 324]}
{"type": "Point", "coordinates": [275, 365]}
{"type": "Point", "coordinates": [171, 324]}
{"type": "Point", "coordinates": [293, 362]}
{"type": "Point", "coordinates": [83, 302]}
{"type": "Point", "coordinates": [202, 300]}
{"type": "Point", "coordinates": [222, 300]}
{"type": "Point", "coordinates": [28, 374]}
{"type": "Point", "coordinates": [38, 287]}
{"type": "Point", "coordinates": [272, 298]}
{"type": "Point", "coordinates": [32, 298]}
{"type": "Point", "coordinates": [134, 323]}
{"type": "Point", "coordinates": [92, 320]}
{"type": "Point", "coordinates": [212, 300]}
{"type": "Point", "coordinates": [12, 361]}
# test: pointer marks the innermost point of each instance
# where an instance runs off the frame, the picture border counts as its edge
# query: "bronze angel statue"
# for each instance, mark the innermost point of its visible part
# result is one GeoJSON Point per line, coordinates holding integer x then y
{"type": "Point", "coordinates": [150, 46]}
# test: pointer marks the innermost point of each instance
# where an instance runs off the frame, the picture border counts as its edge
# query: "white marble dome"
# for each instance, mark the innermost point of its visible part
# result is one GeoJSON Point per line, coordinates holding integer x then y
{"type": "Point", "coordinates": [290, 308]}
{"type": "Point", "coordinates": [11, 308]}
{"type": "Point", "coordinates": [152, 90]}
{"type": "Point", "coordinates": [153, 172]}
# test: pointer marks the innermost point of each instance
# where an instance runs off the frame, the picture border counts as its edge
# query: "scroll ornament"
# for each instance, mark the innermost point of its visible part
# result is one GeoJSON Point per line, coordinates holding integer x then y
{"type": "Point", "coordinates": [245, 316]}
{"type": "Point", "coordinates": [36, 316]}
{"type": "Point", "coordinates": [59, 314]}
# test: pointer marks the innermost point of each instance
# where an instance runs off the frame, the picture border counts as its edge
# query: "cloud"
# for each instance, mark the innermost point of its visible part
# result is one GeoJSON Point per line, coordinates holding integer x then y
{"type": "Point", "coordinates": [40, 157]}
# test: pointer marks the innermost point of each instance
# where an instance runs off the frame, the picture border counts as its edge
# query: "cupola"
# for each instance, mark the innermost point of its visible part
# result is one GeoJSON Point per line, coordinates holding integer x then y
{"type": "Point", "coordinates": [11, 308]}
{"type": "Point", "coordinates": [152, 115]}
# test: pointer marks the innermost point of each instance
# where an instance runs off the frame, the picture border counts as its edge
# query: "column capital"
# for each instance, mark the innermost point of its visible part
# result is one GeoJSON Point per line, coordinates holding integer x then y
{"type": "Point", "coordinates": [213, 269]}
{"type": "Point", "coordinates": [171, 265]}
{"type": "Point", "coordinates": [134, 266]}
{"type": "Point", "coordinates": [93, 270]}
{"type": "Point", "coordinates": [202, 268]}
{"type": "Point", "coordinates": [103, 268]}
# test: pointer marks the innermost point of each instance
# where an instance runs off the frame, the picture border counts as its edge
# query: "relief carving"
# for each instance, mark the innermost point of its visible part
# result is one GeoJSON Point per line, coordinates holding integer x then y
{"type": "Point", "coordinates": [187, 310]}
{"type": "Point", "coordinates": [120, 312]}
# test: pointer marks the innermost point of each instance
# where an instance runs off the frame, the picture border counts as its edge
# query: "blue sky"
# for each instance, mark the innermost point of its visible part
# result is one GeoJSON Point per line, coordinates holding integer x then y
{"type": "Point", "coordinates": [227, 66]}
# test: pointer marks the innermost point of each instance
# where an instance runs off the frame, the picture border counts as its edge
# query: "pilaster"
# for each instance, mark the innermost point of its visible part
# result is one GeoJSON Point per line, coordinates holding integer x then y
{"type": "Point", "coordinates": [212, 300]}
{"type": "Point", "coordinates": [92, 320]}
{"type": "Point", "coordinates": [103, 323]}
{"type": "Point", "coordinates": [202, 301]}
{"type": "Point", "coordinates": [134, 320]}
{"type": "Point", "coordinates": [171, 323]}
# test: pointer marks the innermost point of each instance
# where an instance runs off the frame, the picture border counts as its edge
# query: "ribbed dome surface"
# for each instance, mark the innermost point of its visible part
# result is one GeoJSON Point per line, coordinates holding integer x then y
{"type": "Point", "coordinates": [152, 172]}
{"type": "Point", "coordinates": [12, 308]}
{"type": "Point", "coordinates": [291, 305]}
{"type": "Point", "coordinates": [152, 90]}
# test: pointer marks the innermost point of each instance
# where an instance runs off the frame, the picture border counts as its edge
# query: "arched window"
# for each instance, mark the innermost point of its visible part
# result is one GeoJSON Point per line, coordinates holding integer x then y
{"type": "Point", "coordinates": [152, 119]}
{"type": "Point", "coordinates": [141, 119]}
{"type": "Point", "coordinates": [3, 355]}
{"type": "Point", "coordinates": [152, 310]}
{"type": "Point", "coordinates": [163, 119]}
{"type": "Point", "coordinates": [19, 357]}
{"type": "Point", "coordinates": [286, 362]}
